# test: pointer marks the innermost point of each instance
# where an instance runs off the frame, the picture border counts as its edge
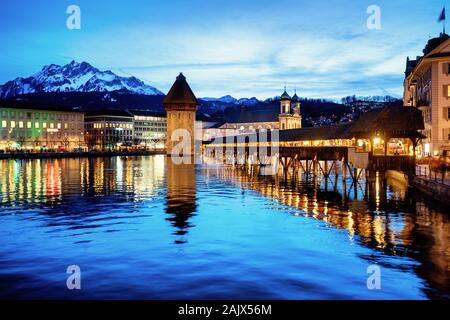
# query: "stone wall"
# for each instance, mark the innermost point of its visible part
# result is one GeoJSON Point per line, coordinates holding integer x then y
{"type": "Point", "coordinates": [434, 190]}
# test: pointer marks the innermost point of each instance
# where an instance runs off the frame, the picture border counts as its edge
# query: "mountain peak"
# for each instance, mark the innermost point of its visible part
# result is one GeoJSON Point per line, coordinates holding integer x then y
{"type": "Point", "coordinates": [74, 77]}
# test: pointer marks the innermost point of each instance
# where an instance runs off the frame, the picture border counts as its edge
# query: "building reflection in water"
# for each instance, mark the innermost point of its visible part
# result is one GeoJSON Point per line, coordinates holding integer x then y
{"type": "Point", "coordinates": [380, 213]}
{"type": "Point", "coordinates": [34, 182]}
{"type": "Point", "coordinates": [181, 196]}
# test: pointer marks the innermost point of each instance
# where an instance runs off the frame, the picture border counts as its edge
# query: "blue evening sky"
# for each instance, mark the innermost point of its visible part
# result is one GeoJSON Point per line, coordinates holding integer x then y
{"type": "Point", "coordinates": [240, 47]}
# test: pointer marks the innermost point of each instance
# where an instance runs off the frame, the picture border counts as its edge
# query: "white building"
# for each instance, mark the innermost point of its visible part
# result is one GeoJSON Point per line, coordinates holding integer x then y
{"type": "Point", "coordinates": [427, 87]}
{"type": "Point", "coordinates": [149, 128]}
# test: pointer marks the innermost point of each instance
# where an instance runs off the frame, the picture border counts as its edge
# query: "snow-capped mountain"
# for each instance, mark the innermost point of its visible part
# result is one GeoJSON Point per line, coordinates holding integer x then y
{"type": "Point", "coordinates": [231, 100]}
{"type": "Point", "coordinates": [225, 99]}
{"type": "Point", "coordinates": [248, 101]}
{"type": "Point", "coordinates": [74, 77]}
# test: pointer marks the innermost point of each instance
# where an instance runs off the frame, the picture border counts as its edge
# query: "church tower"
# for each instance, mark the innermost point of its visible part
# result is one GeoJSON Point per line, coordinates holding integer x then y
{"type": "Point", "coordinates": [287, 119]}
{"type": "Point", "coordinates": [285, 103]}
{"type": "Point", "coordinates": [285, 110]}
{"type": "Point", "coordinates": [180, 105]}
{"type": "Point", "coordinates": [297, 117]}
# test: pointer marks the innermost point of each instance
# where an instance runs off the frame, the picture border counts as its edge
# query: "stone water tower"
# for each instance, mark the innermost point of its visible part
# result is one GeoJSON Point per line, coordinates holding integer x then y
{"type": "Point", "coordinates": [180, 105]}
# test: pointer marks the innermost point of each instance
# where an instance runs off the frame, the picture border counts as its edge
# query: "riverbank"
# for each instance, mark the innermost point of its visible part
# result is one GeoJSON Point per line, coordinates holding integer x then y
{"type": "Point", "coordinates": [90, 154]}
{"type": "Point", "coordinates": [432, 189]}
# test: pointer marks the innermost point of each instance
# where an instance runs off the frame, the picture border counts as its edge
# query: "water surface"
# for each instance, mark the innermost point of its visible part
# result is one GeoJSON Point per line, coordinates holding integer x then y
{"type": "Point", "coordinates": [140, 227]}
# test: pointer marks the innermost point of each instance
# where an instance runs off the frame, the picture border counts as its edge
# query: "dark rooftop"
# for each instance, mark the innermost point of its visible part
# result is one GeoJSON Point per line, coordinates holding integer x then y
{"type": "Point", "coordinates": [429, 47]}
{"type": "Point", "coordinates": [253, 116]}
{"type": "Point", "coordinates": [147, 113]}
{"type": "Point", "coordinates": [285, 96]}
{"type": "Point", "coordinates": [180, 93]}
{"type": "Point", "coordinates": [388, 119]}
{"type": "Point", "coordinates": [19, 104]}
{"type": "Point", "coordinates": [435, 42]}
{"type": "Point", "coordinates": [109, 112]}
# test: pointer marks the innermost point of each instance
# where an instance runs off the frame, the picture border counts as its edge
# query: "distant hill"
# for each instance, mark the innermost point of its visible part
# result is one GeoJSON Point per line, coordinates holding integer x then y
{"type": "Point", "coordinates": [269, 110]}
{"type": "Point", "coordinates": [91, 101]}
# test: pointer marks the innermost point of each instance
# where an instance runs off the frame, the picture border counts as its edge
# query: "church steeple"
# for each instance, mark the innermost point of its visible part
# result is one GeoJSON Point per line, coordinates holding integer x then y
{"type": "Point", "coordinates": [285, 102]}
{"type": "Point", "coordinates": [288, 120]}
{"type": "Point", "coordinates": [296, 103]}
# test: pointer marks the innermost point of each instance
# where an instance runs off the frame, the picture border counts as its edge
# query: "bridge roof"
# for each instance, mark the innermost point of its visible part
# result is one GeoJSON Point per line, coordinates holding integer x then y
{"type": "Point", "coordinates": [390, 119]}
{"type": "Point", "coordinates": [338, 131]}
{"type": "Point", "coordinates": [395, 122]}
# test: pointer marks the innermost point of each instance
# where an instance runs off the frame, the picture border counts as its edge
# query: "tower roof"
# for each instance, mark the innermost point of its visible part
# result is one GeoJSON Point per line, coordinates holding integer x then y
{"type": "Point", "coordinates": [285, 96]}
{"type": "Point", "coordinates": [180, 93]}
{"type": "Point", "coordinates": [295, 98]}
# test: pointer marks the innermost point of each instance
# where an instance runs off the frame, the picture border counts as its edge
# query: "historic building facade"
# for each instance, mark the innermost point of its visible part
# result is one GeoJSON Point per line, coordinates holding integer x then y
{"type": "Point", "coordinates": [108, 129]}
{"type": "Point", "coordinates": [289, 117]}
{"type": "Point", "coordinates": [35, 128]}
{"type": "Point", "coordinates": [180, 104]}
{"type": "Point", "coordinates": [427, 87]}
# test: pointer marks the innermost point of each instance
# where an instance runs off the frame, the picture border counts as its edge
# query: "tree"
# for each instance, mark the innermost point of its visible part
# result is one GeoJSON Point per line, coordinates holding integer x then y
{"type": "Point", "coordinates": [137, 141]}
{"type": "Point", "coordinates": [66, 143]}
{"type": "Point", "coordinates": [21, 142]}
{"type": "Point", "coordinates": [36, 142]}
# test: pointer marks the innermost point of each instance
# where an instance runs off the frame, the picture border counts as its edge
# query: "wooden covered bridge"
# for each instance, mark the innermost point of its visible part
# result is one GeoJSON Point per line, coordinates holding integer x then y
{"type": "Point", "coordinates": [380, 140]}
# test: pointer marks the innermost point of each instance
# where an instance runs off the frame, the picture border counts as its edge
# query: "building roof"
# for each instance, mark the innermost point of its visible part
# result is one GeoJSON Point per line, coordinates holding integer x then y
{"type": "Point", "coordinates": [389, 119]}
{"type": "Point", "coordinates": [435, 42]}
{"type": "Point", "coordinates": [250, 117]}
{"type": "Point", "coordinates": [109, 112]}
{"type": "Point", "coordinates": [338, 131]}
{"type": "Point", "coordinates": [180, 93]}
{"type": "Point", "coordinates": [295, 98]}
{"type": "Point", "coordinates": [20, 104]}
{"type": "Point", "coordinates": [147, 113]}
{"type": "Point", "coordinates": [431, 45]}
{"type": "Point", "coordinates": [269, 114]}
{"type": "Point", "coordinates": [285, 96]}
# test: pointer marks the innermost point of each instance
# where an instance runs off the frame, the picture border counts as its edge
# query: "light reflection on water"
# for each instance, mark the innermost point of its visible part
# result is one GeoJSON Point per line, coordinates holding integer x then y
{"type": "Point", "coordinates": [141, 227]}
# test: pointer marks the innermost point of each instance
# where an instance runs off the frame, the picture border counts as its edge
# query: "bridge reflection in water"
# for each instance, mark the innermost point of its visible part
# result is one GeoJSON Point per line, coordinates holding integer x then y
{"type": "Point", "coordinates": [381, 213]}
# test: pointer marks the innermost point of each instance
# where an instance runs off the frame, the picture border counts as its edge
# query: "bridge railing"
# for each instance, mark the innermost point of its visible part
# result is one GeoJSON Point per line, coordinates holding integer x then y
{"type": "Point", "coordinates": [405, 164]}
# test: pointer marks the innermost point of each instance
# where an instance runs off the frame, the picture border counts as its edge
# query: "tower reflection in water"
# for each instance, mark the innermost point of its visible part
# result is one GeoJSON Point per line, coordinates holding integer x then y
{"type": "Point", "coordinates": [181, 195]}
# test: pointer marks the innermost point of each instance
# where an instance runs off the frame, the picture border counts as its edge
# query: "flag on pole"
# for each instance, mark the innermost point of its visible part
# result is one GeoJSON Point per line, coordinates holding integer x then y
{"type": "Point", "coordinates": [442, 15]}
{"type": "Point", "coordinates": [442, 18]}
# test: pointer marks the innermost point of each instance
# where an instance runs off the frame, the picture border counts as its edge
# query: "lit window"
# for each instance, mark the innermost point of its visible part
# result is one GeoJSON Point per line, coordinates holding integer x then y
{"type": "Point", "coordinates": [36, 125]}
{"type": "Point", "coordinates": [448, 90]}
{"type": "Point", "coordinates": [20, 124]}
{"type": "Point", "coordinates": [52, 125]}
{"type": "Point", "coordinates": [29, 124]}
{"type": "Point", "coordinates": [66, 126]}
{"type": "Point", "coordinates": [44, 125]}
{"type": "Point", "coordinates": [3, 124]}
{"type": "Point", "coordinates": [59, 125]}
